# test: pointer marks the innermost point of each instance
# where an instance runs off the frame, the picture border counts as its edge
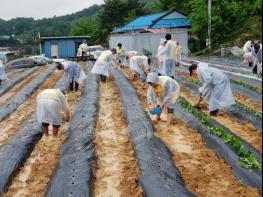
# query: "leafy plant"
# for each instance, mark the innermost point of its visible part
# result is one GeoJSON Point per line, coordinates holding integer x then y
{"type": "Point", "coordinates": [246, 158]}
{"type": "Point", "coordinates": [248, 109]}
{"type": "Point", "coordinates": [244, 84]}
{"type": "Point", "coordinates": [146, 52]}
{"type": "Point", "coordinates": [193, 81]}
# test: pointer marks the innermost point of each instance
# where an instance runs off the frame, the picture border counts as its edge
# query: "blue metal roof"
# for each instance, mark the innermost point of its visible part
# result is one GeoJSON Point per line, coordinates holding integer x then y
{"type": "Point", "coordinates": [154, 21]}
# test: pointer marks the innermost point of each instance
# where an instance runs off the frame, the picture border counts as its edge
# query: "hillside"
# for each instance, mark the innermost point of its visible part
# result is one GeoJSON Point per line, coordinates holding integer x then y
{"type": "Point", "coordinates": [56, 26]}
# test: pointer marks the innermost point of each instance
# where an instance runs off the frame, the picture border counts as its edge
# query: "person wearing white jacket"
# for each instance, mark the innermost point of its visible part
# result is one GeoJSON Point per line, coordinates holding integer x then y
{"type": "Point", "coordinates": [50, 104]}
{"type": "Point", "coordinates": [216, 87]}
{"type": "Point", "coordinates": [102, 65]}
{"type": "Point", "coordinates": [169, 54]}
{"type": "Point", "coordinates": [75, 75]}
{"type": "Point", "coordinates": [140, 66]}
{"type": "Point", "coordinates": [2, 72]}
{"type": "Point", "coordinates": [163, 91]}
{"type": "Point", "coordinates": [161, 58]}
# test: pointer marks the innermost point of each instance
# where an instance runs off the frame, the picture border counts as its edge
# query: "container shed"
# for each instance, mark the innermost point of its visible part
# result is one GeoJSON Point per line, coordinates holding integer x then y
{"type": "Point", "coordinates": [61, 47]}
{"type": "Point", "coordinates": [145, 32]}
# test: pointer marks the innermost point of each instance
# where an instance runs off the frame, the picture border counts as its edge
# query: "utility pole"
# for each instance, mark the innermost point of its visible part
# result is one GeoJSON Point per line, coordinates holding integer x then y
{"type": "Point", "coordinates": [209, 24]}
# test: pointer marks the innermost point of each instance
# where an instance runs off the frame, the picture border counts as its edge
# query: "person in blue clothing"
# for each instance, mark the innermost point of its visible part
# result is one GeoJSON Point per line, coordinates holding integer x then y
{"type": "Point", "coordinates": [75, 75]}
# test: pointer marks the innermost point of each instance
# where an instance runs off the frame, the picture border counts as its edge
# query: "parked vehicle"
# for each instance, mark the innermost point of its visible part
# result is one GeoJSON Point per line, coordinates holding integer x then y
{"type": "Point", "coordinates": [24, 63]}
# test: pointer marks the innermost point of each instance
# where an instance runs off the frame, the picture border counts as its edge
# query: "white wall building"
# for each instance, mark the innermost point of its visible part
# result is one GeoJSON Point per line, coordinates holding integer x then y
{"type": "Point", "coordinates": [146, 32]}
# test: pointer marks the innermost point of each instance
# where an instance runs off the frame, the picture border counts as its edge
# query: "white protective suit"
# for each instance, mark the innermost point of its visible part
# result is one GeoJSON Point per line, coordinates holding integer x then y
{"type": "Point", "coordinates": [161, 58]}
{"type": "Point", "coordinates": [178, 54]}
{"type": "Point", "coordinates": [2, 71]}
{"type": "Point", "coordinates": [50, 103]}
{"type": "Point", "coordinates": [170, 92]}
{"type": "Point", "coordinates": [129, 55]}
{"type": "Point", "coordinates": [169, 54]}
{"type": "Point", "coordinates": [139, 64]}
{"type": "Point", "coordinates": [102, 65]}
{"type": "Point", "coordinates": [74, 72]}
{"type": "Point", "coordinates": [247, 47]}
{"type": "Point", "coordinates": [216, 87]}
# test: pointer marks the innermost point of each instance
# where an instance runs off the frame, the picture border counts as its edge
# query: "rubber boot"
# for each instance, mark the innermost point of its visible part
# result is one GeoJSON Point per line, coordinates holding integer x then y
{"type": "Point", "coordinates": [45, 130]}
{"type": "Point", "coordinates": [214, 113]}
{"type": "Point", "coordinates": [55, 131]}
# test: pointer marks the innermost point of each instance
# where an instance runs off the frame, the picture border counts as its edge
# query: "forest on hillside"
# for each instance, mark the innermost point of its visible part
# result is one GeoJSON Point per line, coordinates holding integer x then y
{"type": "Point", "coordinates": [232, 20]}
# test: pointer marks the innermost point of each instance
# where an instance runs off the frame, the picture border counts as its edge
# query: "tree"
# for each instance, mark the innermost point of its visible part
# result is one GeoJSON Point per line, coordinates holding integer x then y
{"type": "Point", "coordinates": [86, 27]}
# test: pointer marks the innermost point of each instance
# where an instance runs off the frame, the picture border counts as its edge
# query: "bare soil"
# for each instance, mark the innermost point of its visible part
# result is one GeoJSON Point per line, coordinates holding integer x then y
{"type": "Point", "coordinates": [243, 129]}
{"type": "Point", "coordinates": [9, 126]}
{"type": "Point", "coordinates": [204, 173]}
{"type": "Point", "coordinates": [34, 176]}
{"type": "Point", "coordinates": [116, 172]}
{"type": "Point", "coordinates": [20, 85]}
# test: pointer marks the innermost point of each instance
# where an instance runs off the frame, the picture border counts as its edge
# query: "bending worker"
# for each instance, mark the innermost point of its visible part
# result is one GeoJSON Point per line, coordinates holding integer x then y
{"type": "Point", "coordinates": [216, 87]}
{"type": "Point", "coordinates": [140, 65]}
{"type": "Point", "coordinates": [2, 72]}
{"type": "Point", "coordinates": [75, 75]}
{"type": "Point", "coordinates": [102, 65]}
{"type": "Point", "coordinates": [50, 103]}
{"type": "Point", "coordinates": [163, 91]}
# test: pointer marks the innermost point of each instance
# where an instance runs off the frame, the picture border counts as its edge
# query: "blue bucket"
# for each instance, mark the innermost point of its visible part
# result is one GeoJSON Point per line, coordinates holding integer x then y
{"type": "Point", "coordinates": [155, 111]}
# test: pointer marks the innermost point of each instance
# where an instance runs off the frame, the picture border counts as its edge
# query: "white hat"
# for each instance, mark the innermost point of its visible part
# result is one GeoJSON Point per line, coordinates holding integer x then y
{"type": "Point", "coordinates": [162, 41]}
{"type": "Point", "coordinates": [153, 78]}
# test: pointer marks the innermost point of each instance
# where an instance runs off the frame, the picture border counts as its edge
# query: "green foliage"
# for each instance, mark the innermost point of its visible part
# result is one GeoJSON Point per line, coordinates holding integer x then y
{"type": "Point", "coordinates": [248, 109]}
{"type": "Point", "coordinates": [85, 27]}
{"type": "Point", "coordinates": [257, 89]}
{"type": "Point", "coordinates": [246, 158]}
{"type": "Point", "coordinates": [147, 53]}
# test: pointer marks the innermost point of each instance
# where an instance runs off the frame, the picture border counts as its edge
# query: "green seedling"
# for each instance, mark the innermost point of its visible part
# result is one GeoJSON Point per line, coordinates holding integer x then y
{"type": "Point", "coordinates": [246, 158]}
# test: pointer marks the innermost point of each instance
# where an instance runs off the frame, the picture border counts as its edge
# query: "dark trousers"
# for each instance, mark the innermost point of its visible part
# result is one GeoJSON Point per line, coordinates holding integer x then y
{"type": "Point", "coordinates": [103, 78]}
{"type": "Point", "coordinates": [71, 86]}
{"type": "Point", "coordinates": [255, 69]}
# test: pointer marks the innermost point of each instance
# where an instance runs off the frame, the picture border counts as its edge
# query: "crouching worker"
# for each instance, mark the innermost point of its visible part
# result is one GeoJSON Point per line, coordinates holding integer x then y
{"type": "Point", "coordinates": [163, 92]}
{"type": "Point", "coordinates": [140, 66]}
{"type": "Point", "coordinates": [75, 75]}
{"type": "Point", "coordinates": [50, 104]}
{"type": "Point", "coordinates": [102, 65]}
{"type": "Point", "coordinates": [216, 87]}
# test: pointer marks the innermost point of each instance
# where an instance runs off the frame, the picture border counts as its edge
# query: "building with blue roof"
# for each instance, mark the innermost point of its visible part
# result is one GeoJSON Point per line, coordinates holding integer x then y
{"type": "Point", "coordinates": [145, 32]}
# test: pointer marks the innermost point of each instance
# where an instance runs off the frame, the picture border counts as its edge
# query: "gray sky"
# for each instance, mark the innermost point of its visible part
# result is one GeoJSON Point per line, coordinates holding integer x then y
{"type": "Point", "coordinates": [42, 8]}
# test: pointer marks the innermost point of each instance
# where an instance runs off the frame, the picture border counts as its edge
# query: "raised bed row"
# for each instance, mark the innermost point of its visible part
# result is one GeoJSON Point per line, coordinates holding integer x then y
{"type": "Point", "coordinates": [159, 176]}
{"type": "Point", "coordinates": [73, 175]}
{"type": "Point", "coordinates": [10, 106]}
{"type": "Point", "coordinates": [9, 84]}
{"type": "Point", "coordinates": [233, 74]}
{"type": "Point", "coordinates": [238, 110]}
{"type": "Point", "coordinates": [228, 147]}
{"type": "Point", "coordinates": [18, 149]}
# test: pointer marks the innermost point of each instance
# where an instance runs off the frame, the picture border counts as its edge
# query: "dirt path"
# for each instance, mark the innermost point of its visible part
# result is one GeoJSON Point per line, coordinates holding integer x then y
{"type": "Point", "coordinates": [9, 126]}
{"type": "Point", "coordinates": [33, 177]}
{"type": "Point", "coordinates": [203, 172]}
{"type": "Point", "coordinates": [116, 173]}
{"type": "Point", "coordinates": [20, 85]}
{"type": "Point", "coordinates": [244, 130]}
{"type": "Point", "coordinates": [240, 98]}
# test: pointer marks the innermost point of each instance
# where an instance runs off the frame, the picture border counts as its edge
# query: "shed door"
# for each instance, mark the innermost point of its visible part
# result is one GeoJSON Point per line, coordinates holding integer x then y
{"type": "Point", "coordinates": [54, 51]}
